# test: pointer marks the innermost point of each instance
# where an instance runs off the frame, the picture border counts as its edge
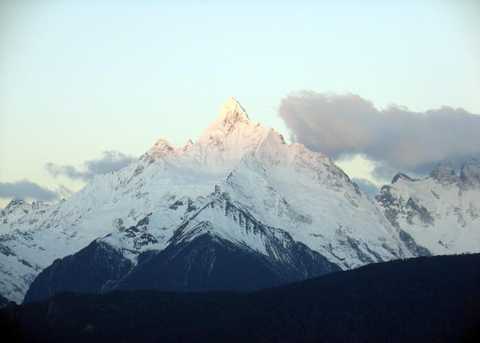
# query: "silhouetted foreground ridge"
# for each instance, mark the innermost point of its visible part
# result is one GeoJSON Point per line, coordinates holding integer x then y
{"type": "Point", "coordinates": [431, 299]}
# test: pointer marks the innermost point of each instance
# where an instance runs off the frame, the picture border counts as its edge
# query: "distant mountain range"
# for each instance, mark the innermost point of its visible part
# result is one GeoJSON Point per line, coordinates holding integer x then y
{"type": "Point", "coordinates": [238, 209]}
{"type": "Point", "coordinates": [426, 299]}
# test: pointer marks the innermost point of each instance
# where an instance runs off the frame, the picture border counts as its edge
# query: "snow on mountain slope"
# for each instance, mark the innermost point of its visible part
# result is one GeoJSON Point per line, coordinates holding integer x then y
{"type": "Point", "coordinates": [292, 188]}
{"type": "Point", "coordinates": [155, 183]}
{"type": "Point", "coordinates": [219, 245]}
{"type": "Point", "coordinates": [223, 247]}
{"type": "Point", "coordinates": [289, 186]}
{"type": "Point", "coordinates": [440, 212]}
{"type": "Point", "coordinates": [16, 211]}
{"type": "Point", "coordinates": [141, 208]}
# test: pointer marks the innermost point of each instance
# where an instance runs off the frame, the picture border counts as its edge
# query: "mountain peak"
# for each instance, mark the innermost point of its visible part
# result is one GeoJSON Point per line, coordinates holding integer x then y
{"type": "Point", "coordinates": [232, 115]}
{"type": "Point", "coordinates": [232, 112]}
{"type": "Point", "coordinates": [161, 148]}
{"type": "Point", "coordinates": [470, 172]}
{"type": "Point", "coordinates": [444, 173]}
{"type": "Point", "coordinates": [163, 145]}
{"type": "Point", "coordinates": [15, 203]}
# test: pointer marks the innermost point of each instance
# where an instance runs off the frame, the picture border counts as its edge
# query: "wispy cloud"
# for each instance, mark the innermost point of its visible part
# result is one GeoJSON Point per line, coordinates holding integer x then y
{"type": "Point", "coordinates": [26, 189]}
{"type": "Point", "coordinates": [400, 139]}
{"type": "Point", "coordinates": [109, 162]}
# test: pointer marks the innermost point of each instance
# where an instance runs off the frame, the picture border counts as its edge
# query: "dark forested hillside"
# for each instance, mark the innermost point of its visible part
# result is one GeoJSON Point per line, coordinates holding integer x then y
{"type": "Point", "coordinates": [3, 301]}
{"type": "Point", "coordinates": [205, 263]}
{"type": "Point", "coordinates": [429, 299]}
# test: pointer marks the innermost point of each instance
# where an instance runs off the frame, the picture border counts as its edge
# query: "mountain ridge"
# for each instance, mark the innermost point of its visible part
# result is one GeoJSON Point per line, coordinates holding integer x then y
{"type": "Point", "coordinates": [413, 300]}
{"type": "Point", "coordinates": [138, 209]}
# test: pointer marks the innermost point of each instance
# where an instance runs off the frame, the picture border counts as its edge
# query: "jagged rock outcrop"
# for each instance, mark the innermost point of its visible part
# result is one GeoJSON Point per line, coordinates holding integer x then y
{"type": "Point", "coordinates": [441, 212]}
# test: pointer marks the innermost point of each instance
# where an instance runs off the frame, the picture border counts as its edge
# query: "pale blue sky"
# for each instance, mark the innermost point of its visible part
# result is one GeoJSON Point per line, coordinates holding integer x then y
{"type": "Point", "coordinates": [79, 78]}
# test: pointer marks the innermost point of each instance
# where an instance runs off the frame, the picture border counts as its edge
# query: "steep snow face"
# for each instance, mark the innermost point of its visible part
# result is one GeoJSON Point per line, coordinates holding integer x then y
{"type": "Point", "coordinates": [227, 139]}
{"type": "Point", "coordinates": [440, 212]}
{"type": "Point", "coordinates": [291, 187]}
{"type": "Point", "coordinates": [17, 211]}
{"type": "Point", "coordinates": [221, 218]}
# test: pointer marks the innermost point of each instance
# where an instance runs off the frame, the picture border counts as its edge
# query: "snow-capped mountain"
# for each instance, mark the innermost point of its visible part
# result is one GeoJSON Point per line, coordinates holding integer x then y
{"type": "Point", "coordinates": [240, 188]}
{"type": "Point", "coordinates": [32, 240]}
{"type": "Point", "coordinates": [219, 246]}
{"type": "Point", "coordinates": [441, 212]}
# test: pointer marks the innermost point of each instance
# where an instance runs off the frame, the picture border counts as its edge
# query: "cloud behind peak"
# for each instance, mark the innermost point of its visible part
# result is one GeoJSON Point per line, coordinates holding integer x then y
{"type": "Point", "coordinates": [109, 162]}
{"type": "Point", "coordinates": [26, 189]}
{"type": "Point", "coordinates": [342, 125]}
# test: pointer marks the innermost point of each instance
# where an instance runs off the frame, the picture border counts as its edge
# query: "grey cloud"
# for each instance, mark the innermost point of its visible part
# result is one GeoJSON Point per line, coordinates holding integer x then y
{"type": "Point", "coordinates": [66, 170]}
{"type": "Point", "coordinates": [342, 125]}
{"type": "Point", "coordinates": [26, 189]}
{"type": "Point", "coordinates": [109, 162]}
